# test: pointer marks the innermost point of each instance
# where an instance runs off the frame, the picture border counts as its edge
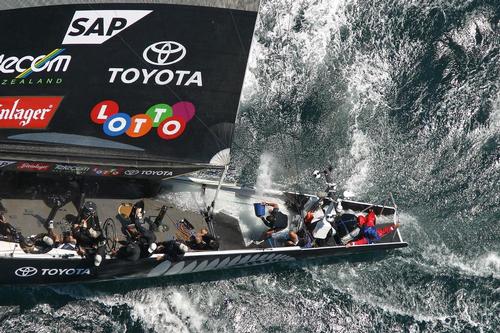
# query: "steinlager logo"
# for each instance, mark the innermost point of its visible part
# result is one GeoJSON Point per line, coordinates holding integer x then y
{"type": "Point", "coordinates": [27, 111]}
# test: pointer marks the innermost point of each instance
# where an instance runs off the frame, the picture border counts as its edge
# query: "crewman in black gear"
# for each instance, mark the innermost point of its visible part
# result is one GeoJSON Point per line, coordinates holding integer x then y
{"type": "Point", "coordinates": [145, 238]}
{"type": "Point", "coordinates": [7, 231]}
{"type": "Point", "coordinates": [88, 234]}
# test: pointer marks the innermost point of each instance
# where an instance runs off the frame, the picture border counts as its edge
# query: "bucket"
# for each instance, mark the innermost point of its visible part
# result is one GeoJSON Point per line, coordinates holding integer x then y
{"type": "Point", "coordinates": [260, 209]}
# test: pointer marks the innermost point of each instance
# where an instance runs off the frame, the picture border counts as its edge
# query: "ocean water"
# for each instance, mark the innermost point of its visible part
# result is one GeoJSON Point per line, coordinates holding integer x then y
{"type": "Point", "coordinates": [398, 96]}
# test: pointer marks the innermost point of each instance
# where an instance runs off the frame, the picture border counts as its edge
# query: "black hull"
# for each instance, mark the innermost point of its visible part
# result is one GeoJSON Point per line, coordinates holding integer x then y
{"type": "Point", "coordinates": [43, 271]}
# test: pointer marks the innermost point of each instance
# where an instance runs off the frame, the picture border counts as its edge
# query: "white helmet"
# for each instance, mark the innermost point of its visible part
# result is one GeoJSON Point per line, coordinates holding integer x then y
{"type": "Point", "coordinates": [47, 240]}
{"type": "Point", "coordinates": [152, 247]}
{"type": "Point", "coordinates": [316, 174]}
{"type": "Point", "coordinates": [339, 206]}
{"type": "Point", "coordinates": [330, 217]}
{"type": "Point", "coordinates": [183, 247]}
{"type": "Point", "coordinates": [97, 260]}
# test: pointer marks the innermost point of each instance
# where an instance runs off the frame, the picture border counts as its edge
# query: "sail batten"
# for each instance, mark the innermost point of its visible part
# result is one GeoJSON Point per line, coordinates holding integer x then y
{"type": "Point", "coordinates": [247, 5]}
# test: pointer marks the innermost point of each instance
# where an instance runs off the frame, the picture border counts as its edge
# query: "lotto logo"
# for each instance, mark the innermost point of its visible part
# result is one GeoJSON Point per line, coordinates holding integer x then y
{"type": "Point", "coordinates": [170, 121]}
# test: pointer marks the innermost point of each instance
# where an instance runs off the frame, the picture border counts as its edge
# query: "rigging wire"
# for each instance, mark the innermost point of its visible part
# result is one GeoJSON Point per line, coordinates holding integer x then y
{"type": "Point", "coordinates": [297, 187]}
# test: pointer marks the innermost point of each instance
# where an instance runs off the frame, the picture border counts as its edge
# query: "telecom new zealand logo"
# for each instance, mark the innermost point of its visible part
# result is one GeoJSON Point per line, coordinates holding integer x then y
{"type": "Point", "coordinates": [169, 121]}
{"type": "Point", "coordinates": [25, 66]}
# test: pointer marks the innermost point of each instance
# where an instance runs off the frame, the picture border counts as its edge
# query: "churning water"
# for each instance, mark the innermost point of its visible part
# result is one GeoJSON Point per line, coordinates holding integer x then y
{"type": "Point", "coordinates": [400, 96]}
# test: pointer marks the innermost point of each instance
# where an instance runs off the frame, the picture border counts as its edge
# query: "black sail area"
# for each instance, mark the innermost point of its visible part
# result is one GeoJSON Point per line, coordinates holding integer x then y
{"type": "Point", "coordinates": [91, 86]}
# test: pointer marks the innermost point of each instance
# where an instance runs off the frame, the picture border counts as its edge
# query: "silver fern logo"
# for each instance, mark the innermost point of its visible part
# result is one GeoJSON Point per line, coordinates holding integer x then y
{"type": "Point", "coordinates": [200, 265]}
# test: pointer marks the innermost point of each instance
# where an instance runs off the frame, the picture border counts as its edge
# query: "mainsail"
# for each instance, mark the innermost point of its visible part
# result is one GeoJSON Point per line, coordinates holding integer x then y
{"type": "Point", "coordinates": [119, 89]}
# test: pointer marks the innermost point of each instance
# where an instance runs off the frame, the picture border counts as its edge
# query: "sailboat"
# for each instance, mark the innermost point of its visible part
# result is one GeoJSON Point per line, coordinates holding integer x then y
{"type": "Point", "coordinates": [105, 106]}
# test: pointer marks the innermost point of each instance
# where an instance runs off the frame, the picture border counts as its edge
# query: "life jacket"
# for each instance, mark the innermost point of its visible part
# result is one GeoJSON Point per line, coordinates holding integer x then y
{"type": "Point", "coordinates": [309, 217]}
{"type": "Point", "coordinates": [371, 219]}
{"type": "Point", "coordinates": [370, 233]}
{"type": "Point", "coordinates": [379, 232]}
{"type": "Point", "coordinates": [361, 221]}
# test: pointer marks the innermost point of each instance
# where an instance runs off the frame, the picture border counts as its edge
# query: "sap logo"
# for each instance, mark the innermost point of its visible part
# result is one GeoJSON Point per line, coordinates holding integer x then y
{"type": "Point", "coordinates": [97, 26]}
{"type": "Point", "coordinates": [170, 121]}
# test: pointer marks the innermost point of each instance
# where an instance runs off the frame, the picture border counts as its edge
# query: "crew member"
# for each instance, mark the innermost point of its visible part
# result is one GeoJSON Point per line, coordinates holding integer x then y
{"type": "Point", "coordinates": [146, 238]}
{"type": "Point", "coordinates": [6, 229]}
{"type": "Point", "coordinates": [367, 226]}
{"type": "Point", "coordinates": [284, 238]}
{"type": "Point", "coordinates": [203, 241]}
{"type": "Point", "coordinates": [130, 251]}
{"type": "Point", "coordinates": [88, 234]}
{"type": "Point", "coordinates": [173, 250]}
{"type": "Point", "coordinates": [275, 221]}
{"type": "Point", "coordinates": [380, 233]}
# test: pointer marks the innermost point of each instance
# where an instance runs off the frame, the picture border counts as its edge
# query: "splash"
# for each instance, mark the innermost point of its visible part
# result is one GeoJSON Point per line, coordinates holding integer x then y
{"type": "Point", "coordinates": [360, 156]}
{"type": "Point", "coordinates": [265, 174]}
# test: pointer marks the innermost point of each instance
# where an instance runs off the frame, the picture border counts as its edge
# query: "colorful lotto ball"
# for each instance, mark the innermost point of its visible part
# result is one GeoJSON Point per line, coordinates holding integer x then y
{"type": "Point", "coordinates": [169, 121]}
{"type": "Point", "coordinates": [184, 110]}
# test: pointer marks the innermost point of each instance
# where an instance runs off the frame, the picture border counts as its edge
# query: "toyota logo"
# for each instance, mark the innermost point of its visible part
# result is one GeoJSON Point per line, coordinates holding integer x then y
{"type": "Point", "coordinates": [26, 271]}
{"type": "Point", "coordinates": [131, 172]}
{"type": "Point", "coordinates": [164, 53]}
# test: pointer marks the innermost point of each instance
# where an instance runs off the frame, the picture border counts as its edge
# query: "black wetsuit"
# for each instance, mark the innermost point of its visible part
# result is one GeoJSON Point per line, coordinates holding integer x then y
{"type": "Point", "coordinates": [145, 233]}
{"type": "Point", "coordinates": [130, 252]}
{"type": "Point", "coordinates": [276, 220]}
{"type": "Point", "coordinates": [7, 230]}
{"type": "Point", "coordinates": [83, 238]}
{"type": "Point", "coordinates": [147, 237]}
{"type": "Point", "coordinates": [93, 246]}
{"type": "Point", "coordinates": [172, 251]}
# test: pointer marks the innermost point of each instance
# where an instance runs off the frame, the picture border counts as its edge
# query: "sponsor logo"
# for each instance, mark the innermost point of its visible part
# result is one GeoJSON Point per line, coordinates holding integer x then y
{"type": "Point", "coordinates": [160, 54]}
{"type": "Point", "coordinates": [28, 111]}
{"type": "Point", "coordinates": [164, 53]}
{"type": "Point", "coordinates": [163, 173]}
{"type": "Point", "coordinates": [158, 173]}
{"type": "Point", "coordinates": [106, 171]}
{"type": "Point", "coordinates": [6, 163]}
{"type": "Point", "coordinates": [97, 26]}
{"type": "Point", "coordinates": [65, 271]}
{"type": "Point", "coordinates": [71, 168]}
{"type": "Point", "coordinates": [28, 64]}
{"type": "Point", "coordinates": [30, 166]}
{"type": "Point", "coordinates": [131, 172]}
{"type": "Point", "coordinates": [27, 82]}
{"type": "Point", "coordinates": [30, 271]}
{"type": "Point", "coordinates": [26, 271]}
{"type": "Point", "coordinates": [169, 121]}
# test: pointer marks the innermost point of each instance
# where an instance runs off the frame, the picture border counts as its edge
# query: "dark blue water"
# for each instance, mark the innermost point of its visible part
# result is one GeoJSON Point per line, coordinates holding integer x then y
{"type": "Point", "coordinates": [398, 96]}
